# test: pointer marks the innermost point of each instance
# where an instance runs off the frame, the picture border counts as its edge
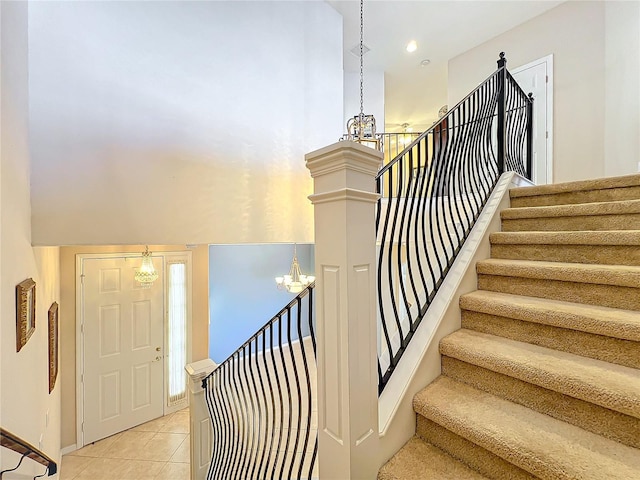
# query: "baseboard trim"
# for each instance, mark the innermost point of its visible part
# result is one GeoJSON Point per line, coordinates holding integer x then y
{"type": "Point", "coordinates": [69, 449]}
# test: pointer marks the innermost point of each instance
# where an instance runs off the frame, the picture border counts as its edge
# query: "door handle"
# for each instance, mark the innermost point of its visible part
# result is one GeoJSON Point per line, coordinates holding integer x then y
{"type": "Point", "coordinates": [158, 359]}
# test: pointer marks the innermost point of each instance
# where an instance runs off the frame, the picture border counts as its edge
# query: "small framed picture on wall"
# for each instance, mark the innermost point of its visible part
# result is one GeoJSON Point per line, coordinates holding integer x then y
{"type": "Point", "coordinates": [25, 312]}
{"type": "Point", "coordinates": [53, 345]}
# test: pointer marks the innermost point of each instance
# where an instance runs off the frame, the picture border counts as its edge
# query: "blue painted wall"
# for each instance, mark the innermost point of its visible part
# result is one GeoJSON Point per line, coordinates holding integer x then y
{"type": "Point", "coordinates": [242, 290]}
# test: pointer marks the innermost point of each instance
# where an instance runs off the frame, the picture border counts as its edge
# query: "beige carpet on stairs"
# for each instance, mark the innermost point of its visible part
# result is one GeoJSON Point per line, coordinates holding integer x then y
{"type": "Point", "coordinates": [543, 379]}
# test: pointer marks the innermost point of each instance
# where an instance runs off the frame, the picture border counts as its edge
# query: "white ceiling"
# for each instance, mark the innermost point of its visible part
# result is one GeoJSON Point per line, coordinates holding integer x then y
{"type": "Point", "coordinates": [442, 29]}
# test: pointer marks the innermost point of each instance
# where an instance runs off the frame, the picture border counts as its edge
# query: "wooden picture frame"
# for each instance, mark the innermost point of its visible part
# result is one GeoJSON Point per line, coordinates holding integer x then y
{"type": "Point", "coordinates": [25, 312]}
{"type": "Point", "coordinates": [53, 345]}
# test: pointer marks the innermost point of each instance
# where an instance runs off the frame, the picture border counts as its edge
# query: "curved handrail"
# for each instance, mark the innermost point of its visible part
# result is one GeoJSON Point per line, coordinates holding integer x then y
{"type": "Point", "coordinates": [24, 448]}
{"type": "Point", "coordinates": [253, 337]}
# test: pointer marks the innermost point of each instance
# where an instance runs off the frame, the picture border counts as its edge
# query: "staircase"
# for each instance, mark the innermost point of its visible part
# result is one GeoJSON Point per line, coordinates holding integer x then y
{"type": "Point", "coordinates": [543, 379]}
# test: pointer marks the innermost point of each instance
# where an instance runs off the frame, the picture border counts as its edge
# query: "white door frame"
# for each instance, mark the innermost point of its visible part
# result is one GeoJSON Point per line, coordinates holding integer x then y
{"type": "Point", "coordinates": [548, 60]}
{"type": "Point", "coordinates": [187, 256]}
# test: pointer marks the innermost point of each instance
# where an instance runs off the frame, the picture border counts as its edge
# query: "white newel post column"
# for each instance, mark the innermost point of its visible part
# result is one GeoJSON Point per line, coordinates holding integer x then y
{"type": "Point", "coordinates": [199, 421]}
{"type": "Point", "coordinates": [345, 258]}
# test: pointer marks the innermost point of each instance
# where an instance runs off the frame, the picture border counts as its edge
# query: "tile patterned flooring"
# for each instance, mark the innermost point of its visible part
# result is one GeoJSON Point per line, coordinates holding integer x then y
{"type": "Point", "coordinates": [156, 450]}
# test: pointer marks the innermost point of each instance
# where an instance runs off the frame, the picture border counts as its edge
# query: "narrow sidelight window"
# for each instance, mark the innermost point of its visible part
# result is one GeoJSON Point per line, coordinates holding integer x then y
{"type": "Point", "coordinates": [177, 334]}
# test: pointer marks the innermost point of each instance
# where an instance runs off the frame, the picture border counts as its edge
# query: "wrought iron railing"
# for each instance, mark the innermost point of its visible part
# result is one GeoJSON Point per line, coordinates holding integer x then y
{"type": "Point", "coordinates": [262, 401]}
{"type": "Point", "coordinates": [394, 143]}
{"type": "Point", "coordinates": [432, 194]}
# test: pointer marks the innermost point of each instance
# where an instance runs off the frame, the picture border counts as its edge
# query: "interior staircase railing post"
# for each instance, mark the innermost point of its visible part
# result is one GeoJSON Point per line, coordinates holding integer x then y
{"type": "Point", "coordinates": [344, 202]}
{"type": "Point", "coordinates": [199, 419]}
{"type": "Point", "coordinates": [502, 108]}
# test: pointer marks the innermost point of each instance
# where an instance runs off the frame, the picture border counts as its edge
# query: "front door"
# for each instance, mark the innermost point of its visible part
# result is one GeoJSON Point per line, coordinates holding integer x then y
{"type": "Point", "coordinates": [534, 78]}
{"type": "Point", "coordinates": [123, 346]}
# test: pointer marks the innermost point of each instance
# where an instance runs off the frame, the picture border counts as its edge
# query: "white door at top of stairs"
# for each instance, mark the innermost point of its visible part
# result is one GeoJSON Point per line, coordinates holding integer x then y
{"type": "Point", "coordinates": [123, 343]}
{"type": "Point", "coordinates": [537, 77]}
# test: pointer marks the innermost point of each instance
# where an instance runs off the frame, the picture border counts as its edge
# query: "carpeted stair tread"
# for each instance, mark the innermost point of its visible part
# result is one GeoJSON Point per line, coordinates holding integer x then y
{"type": "Point", "coordinates": [605, 384]}
{"type": "Point", "coordinates": [533, 441]}
{"type": "Point", "coordinates": [418, 460]}
{"type": "Point", "coordinates": [623, 207]}
{"type": "Point", "coordinates": [610, 322]}
{"type": "Point", "coordinates": [579, 185]}
{"type": "Point", "coordinates": [621, 181]}
{"type": "Point", "coordinates": [602, 237]}
{"type": "Point", "coordinates": [617, 275]}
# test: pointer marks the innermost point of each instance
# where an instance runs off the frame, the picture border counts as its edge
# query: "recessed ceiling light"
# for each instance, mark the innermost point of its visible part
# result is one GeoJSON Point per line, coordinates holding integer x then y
{"type": "Point", "coordinates": [425, 62]}
{"type": "Point", "coordinates": [412, 46]}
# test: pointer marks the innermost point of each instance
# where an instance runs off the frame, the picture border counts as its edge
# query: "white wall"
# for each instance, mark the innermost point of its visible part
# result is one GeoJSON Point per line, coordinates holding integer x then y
{"type": "Point", "coordinates": [24, 378]}
{"type": "Point", "coordinates": [373, 97]}
{"type": "Point", "coordinates": [622, 88]}
{"type": "Point", "coordinates": [574, 32]}
{"type": "Point", "coordinates": [180, 122]}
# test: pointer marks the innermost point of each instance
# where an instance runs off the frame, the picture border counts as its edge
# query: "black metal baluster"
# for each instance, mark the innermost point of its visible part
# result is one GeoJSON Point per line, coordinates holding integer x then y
{"type": "Point", "coordinates": [419, 248]}
{"type": "Point", "coordinates": [269, 447]}
{"type": "Point", "coordinates": [242, 424]}
{"type": "Point", "coordinates": [288, 384]}
{"type": "Point", "coordinates": [315, 356]}
{"type": "Point", "coordinates": [280, 401]}
{"type": "Point", "coordinates": [381, 256]}
{"type": "Point", "coordinates": [297, 380]}
{"type": "Point", "coordinates": [234, 423]}
{"type": "Point", "coordinates": [212, 389]}
{"type": "Point", "coordinates": [401, 229]}
{"type": "Point", "coordinates": [308, 381]}
{"type": "Point", "coordinates": [255, 405]}
{"type": "Point", "coordinates": [393, 241]}
{"type": "Point", "coordinates": [248, 413]}
{"type": "Point", "coordinates": [265, 405]}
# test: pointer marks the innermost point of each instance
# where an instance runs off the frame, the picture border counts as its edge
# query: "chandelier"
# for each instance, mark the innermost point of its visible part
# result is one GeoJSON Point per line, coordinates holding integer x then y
{"type": "Point", "coordinates": [362, 128]}
{"type": "Point", "coordinates": [295, 281]}
{"type": "Point", "coordinates": [146, 274]}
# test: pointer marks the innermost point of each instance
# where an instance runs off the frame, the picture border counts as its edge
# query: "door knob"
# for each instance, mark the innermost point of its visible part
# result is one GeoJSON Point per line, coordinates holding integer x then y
{"type": "Point", "coordinates": [158, 359]}
{"type": "Point", "coordinates": [157, 349]}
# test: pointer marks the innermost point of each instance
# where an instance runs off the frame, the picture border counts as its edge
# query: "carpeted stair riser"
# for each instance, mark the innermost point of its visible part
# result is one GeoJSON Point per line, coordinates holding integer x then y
{"type": "Point", "coordinates": [583, 217]}
{"type": "Point", "coordinates": [535, 442]}
{"type": "Point", "coordinates": [609, 322]}
{"type": "Point", "coordinates": [606, 295]}
{"type": "Point", "coordinates": [602, 190]}
{"type": "Point", "coordinates": [594, 418]}
{"type": "Point", "coordinates": [597, 254]}
{"type": "Point", "coordinates": [418, 460]}
{"type": "Point", "coordinates": [562, 224]}
{"type": "Point", "coordinates": [608, 349]}
{"type": "Point", "coordinates": [568, 198]}
{"type": "Point", "coordinates": [478, 458]}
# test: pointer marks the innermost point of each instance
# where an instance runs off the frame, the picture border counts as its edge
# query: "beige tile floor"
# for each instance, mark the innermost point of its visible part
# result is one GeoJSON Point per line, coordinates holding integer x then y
{"type": "Point", "coordinates": [157, 450]}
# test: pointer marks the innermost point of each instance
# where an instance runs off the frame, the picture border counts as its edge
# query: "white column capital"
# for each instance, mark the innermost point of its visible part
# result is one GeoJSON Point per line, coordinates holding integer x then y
{"type": "Point", "coordinates": [197, 371]}
{"type": "Point", "coordinates": [344, 155]}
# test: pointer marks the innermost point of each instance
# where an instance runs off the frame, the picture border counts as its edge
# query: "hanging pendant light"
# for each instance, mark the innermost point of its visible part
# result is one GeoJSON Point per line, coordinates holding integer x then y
{"type": "Point", "coordinates": [362, 128]}
{"type": "Point", "coordinates": [295, 281]}
{"type": "Point", "coordinates": [146, 274]}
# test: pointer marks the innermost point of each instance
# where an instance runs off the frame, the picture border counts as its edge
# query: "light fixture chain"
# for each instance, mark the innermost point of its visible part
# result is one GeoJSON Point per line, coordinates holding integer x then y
{"type": "Point", "coordinates": [361, 61]}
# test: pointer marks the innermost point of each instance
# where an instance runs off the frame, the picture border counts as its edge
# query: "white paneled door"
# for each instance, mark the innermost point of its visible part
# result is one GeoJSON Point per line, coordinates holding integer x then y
{"type": "Point", "coordinates": [123, 347]}
{"type": "Point", "coordinates": [536, 77]}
